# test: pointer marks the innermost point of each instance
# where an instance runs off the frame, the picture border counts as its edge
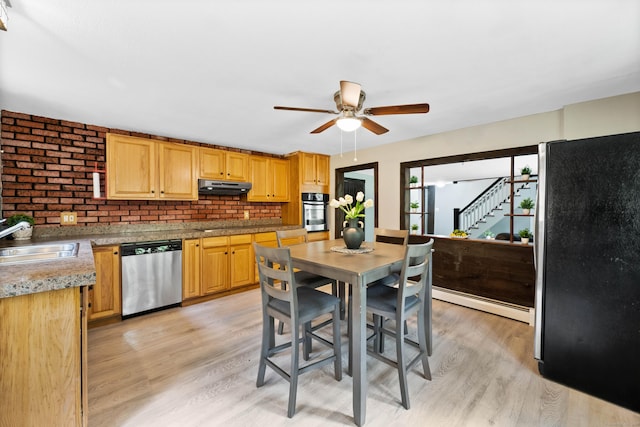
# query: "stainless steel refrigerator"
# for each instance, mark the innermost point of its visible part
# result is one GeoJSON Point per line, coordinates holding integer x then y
{"type": "Point", "coordinates": [587, 330]}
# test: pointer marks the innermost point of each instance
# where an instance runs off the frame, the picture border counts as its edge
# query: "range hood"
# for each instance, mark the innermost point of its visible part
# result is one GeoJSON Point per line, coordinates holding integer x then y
{"type": "Point", "coordinates": [212, 186]}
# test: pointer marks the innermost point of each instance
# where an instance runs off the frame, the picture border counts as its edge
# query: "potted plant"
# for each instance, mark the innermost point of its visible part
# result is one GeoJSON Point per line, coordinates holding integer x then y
{"type": "Point", "coordinates": [414, 206]}
{"type": "Point", "coordinates": [489, 235]}
{"type": "Point", "coordinates": [526, 205]}
{"type": "Point", "coordinates": [23, 234]}
{"type": "Point", "coordinates": [525, 235]}
{"type": "Point", "coordinates": [414, 228]}
{"type": "Point", "coordinates": [413, 181]}
{"type": "Point", "coordinates": [526, 173]}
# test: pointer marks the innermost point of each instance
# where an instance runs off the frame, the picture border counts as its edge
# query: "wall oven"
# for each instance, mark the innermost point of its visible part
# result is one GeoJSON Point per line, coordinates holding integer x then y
{"type": "Point", "coordinates": [315, 211]}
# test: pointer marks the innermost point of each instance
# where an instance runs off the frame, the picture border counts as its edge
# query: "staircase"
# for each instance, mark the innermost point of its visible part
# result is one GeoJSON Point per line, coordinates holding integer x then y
{"type": "Point", "coordinates": [490, 207]}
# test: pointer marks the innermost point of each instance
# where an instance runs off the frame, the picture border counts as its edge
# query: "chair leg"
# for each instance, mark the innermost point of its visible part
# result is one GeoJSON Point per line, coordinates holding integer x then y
{"type": "Point", "coordinates": [342, 296]}
{"type": "Point", "coordinates": [306, 347]}
{"type": "Point", "coordinates": [267, 342]}
{"type": "Point", "coordinates": [423, 339]}
{"type": "Point", "coordinates": [337, 364]}
{"type": "Point", "coordinates": [402, 364]}
{"type": "Point", "coordinates": [280, 327]}
{"type": "Point", "coordinates": [293, 373]}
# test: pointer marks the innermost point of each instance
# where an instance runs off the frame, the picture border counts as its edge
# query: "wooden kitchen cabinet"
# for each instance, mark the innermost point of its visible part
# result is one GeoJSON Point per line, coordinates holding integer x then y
{"type": "Point", "coordinates": [314, 172]}
{"type": "Point", "coordinates": [217, 264]}
{"type": "Point", "coordinates": [104, 296]}
{"type": "Point", "coordinates": [224, 165]}
{"type": "Point", "coordinates": [43, 375]}
{"type": "Point", "coordinates": [267, 239]}
{"type": "Point", "coordinates": [309, 174]}
{"type": "Point", "coordinates": [191, 268]}
{"type": "Point", "coordinates": [269, 179]}
{"type": "Point", "coordinates": [146, 169]}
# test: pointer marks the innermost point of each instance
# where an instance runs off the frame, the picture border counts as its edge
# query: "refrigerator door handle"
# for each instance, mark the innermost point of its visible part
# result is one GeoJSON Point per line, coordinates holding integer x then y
{"type": "Point", "coordinates": [538, 250]}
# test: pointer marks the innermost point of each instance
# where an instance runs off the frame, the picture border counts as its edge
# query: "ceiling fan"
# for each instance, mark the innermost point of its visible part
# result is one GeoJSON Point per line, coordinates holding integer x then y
{"type": "Point", "coordinates": [349, 100]}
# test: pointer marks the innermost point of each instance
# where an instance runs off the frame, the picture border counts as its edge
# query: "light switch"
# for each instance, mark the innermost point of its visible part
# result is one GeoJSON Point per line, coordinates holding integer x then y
{"type": "Point", "coordinates": [68, 218]}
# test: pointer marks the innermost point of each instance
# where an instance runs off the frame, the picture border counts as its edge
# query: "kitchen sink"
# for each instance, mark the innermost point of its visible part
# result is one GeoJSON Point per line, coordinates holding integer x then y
{"type": "Point", "coordinates": [43, 252]}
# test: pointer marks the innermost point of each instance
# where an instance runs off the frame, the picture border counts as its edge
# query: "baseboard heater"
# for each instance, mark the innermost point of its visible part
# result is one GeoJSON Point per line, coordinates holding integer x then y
{"type": "Point", "coordinates": [501, 308]}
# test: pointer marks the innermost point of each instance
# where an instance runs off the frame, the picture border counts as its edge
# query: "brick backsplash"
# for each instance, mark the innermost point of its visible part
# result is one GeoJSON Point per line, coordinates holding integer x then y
{"type": "Point", "coordinates": [47, 168]}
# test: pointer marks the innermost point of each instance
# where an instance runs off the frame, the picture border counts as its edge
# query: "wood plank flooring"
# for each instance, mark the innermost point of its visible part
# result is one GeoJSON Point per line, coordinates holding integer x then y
{"type": "Point", "coordinates": [197, 366]}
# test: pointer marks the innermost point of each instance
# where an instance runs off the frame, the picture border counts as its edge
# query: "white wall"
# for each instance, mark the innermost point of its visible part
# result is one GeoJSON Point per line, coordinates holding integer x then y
{"type": "Point", "coordinates": [607, 116]}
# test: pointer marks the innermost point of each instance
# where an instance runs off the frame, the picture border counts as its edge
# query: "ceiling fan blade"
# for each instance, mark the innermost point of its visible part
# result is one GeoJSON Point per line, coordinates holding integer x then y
{"type": "Point", "coordinates": [397, 109]}
{"type": "Point", "coordinates": [373, 126]}
{"type": "Point", "coordinates": [325, 126]}
{"type": "Point", "coordinates": [350, 93]}
{"type": "Point", "coordinates": [311, 110]}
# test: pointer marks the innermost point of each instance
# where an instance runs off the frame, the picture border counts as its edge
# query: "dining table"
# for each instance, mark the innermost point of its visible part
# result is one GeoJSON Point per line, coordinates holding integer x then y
{"type": "Point", "coordinates": [372, 261]}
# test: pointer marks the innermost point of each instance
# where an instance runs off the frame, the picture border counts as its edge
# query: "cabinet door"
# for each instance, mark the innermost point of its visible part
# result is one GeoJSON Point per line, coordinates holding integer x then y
{"type": "Point", "coordinates": [242, 262]}
{"type": "Point", "coordinates": [267, 239]}
{"type": "Point", "coordinates": [212, 163]}
{"type": "Point", "coordinates": [237, 166]}
{"type": "Point", "coordinates": [215, 265]}
{"type": "Point", "coordinates": [191, 269]}
{"type": "Point", "coordinates": [178, 177]}
{"type": "Point", "coordinates": [41, 359]}
{"type": "Point", "coordinates": [131, 168]}
{"type": "Point", "coordinates": [104, 295]}
{"type": "Point", "coordinates": [322, 170]}
{"type": "Point", "coordinates": [308, 168]}
{"type": "Point", "coordinates": [258, 168]}
{"type": "Point", "coordinates": [279, 180]}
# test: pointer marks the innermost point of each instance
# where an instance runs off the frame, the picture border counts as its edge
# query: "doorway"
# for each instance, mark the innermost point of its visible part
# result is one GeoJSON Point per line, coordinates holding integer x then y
{"type": "Point", "coordinates": [350, 180]}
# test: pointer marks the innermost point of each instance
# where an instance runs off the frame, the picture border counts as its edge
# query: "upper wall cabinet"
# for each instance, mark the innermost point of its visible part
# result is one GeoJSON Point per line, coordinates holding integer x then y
{"type": "Point", "coordinates": [269, 179]}
{"type": "Point", "coordinates": [142, 169]}
{"type": "Point", "coordinates": [314, 171]}
{"type": "Point", "coordinates": [225, 165]}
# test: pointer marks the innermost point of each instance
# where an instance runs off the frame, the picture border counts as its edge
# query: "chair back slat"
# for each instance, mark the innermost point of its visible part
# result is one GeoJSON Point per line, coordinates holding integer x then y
{"type": "Point", "coordinates": [413, 276]}
{"type": "Point", "coordinates": [396, 237]}
{"type": "Point", "coordinates": [275, 271]}
{"type": "Point", "coordinates": [291, 237]}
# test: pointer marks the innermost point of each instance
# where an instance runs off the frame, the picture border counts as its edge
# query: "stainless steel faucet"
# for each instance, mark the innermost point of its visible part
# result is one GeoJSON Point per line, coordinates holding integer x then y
{"type": "Point", "coordinates": [19, 226]}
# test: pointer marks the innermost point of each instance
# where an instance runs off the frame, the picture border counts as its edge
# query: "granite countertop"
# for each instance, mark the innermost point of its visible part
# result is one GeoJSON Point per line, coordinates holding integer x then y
{"type": "Point", "coordinates": [41, 276]}
{"type": "Point", "coordinates": [50, 275]}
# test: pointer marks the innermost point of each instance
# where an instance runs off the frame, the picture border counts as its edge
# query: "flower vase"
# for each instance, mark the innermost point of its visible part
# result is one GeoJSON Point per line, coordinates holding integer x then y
{"type": "Point", "coordinates": [353, 234]}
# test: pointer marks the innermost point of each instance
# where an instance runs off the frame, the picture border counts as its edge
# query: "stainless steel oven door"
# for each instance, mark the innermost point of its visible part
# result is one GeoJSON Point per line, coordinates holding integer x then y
{"type": "Point", "coordinates": [314, 216]}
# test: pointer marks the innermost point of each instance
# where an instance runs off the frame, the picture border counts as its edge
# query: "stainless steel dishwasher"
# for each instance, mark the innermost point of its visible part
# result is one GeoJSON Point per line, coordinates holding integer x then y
{"type": "Point", "coordinates": [151, 276]}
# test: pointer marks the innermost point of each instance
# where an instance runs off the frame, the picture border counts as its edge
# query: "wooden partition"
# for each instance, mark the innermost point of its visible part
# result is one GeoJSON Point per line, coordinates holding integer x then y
{"type": "Point", "coordinates": [492, 269]}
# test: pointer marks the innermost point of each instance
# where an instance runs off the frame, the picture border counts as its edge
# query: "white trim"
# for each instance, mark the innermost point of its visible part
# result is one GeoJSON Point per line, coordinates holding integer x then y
{"type": "Point", "coordinates": [512, 311]}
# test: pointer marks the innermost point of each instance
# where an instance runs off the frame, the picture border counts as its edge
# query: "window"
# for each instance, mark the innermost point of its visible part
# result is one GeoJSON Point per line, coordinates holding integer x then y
{"type": "Point", "coordinates": [470, 192]}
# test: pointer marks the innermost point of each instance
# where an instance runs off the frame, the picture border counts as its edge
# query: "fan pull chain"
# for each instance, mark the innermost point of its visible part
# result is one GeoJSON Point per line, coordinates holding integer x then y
{"type": "Point", "coordinates": [355, 146]}
{"type": "Point", "coordinates": [341, 143]}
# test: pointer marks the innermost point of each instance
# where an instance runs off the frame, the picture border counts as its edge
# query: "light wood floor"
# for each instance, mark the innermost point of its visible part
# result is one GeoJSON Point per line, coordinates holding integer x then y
{"type": "Point", "coordinates": [196, 366]}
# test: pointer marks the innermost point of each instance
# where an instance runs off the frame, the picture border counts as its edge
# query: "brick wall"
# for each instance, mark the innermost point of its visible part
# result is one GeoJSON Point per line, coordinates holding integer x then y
{"type": "Point", "coordinates": [47, 168]}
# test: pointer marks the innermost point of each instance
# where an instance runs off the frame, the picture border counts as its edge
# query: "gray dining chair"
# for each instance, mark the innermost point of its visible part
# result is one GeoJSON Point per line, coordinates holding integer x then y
{"type": "Point", "coordinates": [397, 304]}
{"type": "Point", "coordinates": [384, 235]}
{"type": "Point", "coordinates": [297, 306]}
{"type": "Point", "coordinates": [298, 236]}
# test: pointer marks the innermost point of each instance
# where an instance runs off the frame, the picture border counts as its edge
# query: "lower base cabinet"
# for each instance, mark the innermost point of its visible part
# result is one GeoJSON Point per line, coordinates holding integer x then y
{"type": "Point", "coordinates": [43, 353]}
{"type": "Point", "coordinates": [216, 264]}
{"type": "Point", "coordinates": [105, 300]}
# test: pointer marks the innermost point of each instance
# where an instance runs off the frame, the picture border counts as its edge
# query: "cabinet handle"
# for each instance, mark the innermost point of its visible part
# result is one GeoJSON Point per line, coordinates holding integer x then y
{"type": "Point", "coordinates": [226, 253]}
{"type": "Point", "coordinates": [197, 246]}
{"type": "Point", "coordinates": [153, 192]}
{"type": "Point", "coordinates": [89, 305]}
{"type": "Point", "coordinates": [90, 287]}
{"type": "Point", "coordinates": [115, 253]}
{"type": "Point", "coordinates": [161, 191]}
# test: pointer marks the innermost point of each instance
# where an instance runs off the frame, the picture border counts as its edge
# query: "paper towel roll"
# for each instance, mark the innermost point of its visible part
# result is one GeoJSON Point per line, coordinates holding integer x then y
{"type": "Point", "coordinates": [96, 185]}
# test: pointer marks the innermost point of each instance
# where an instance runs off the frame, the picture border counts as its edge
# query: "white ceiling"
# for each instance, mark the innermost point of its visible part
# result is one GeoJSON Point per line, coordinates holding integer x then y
{"type": "Point", "coordinates": [211, 71]}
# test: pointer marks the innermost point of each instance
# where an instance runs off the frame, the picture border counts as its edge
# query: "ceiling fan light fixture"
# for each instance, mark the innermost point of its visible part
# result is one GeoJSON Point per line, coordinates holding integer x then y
{"type": "Point", "coordinates": [4, 16]}
{"type": "Point", "coordinates": [348, 122]}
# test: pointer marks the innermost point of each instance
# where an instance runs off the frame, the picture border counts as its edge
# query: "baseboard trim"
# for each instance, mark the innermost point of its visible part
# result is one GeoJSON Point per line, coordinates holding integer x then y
{"type": "Point", "coordinates": [511, 311]}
